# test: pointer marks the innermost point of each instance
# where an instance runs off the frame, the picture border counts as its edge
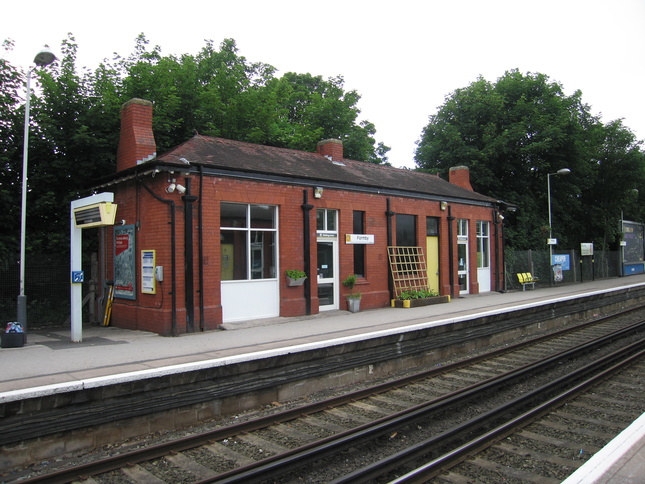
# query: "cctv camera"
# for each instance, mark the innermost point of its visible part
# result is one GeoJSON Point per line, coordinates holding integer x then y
{"type": "Point", "coordinates": [171, 188]}
{"type": "Point", "coordinates": [181, 189]}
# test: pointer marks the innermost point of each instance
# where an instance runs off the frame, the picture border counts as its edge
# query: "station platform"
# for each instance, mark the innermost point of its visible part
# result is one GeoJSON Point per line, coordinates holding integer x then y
{"type": "Point", "coordinates": [50, 362]}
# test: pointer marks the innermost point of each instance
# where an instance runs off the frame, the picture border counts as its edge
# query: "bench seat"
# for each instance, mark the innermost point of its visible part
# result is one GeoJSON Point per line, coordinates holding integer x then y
{"type": "Point", "coordinates": [526, 279]}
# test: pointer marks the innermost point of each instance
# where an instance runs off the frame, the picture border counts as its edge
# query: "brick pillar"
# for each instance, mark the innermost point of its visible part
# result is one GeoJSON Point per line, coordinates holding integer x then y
{"type": "Point", "coordinates": [331, 147]}
{"type": "Point", "coordinates": [460, 175]}
{"type": "Point", "coordinates": [136, 142]}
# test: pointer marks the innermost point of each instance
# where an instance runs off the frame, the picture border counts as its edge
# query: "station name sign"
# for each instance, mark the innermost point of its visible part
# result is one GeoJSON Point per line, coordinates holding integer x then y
{"type": "Point", "coordinates": [359, 238]}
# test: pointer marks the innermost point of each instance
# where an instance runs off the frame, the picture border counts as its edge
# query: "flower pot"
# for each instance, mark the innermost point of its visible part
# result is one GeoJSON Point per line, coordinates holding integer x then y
{"type": "Point", "coordinates": [295, 282]}
{"type": "Point", "coordinates": [353, 304]}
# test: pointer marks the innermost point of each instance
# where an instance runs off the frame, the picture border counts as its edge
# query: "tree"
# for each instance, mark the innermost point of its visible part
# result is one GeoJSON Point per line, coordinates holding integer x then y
{"type": "Point", "coordinates": [11, 122]}
{"type": "Point", "coordinates": [511, 134]}
{"type": "Point", "coordinates": [217, 92]}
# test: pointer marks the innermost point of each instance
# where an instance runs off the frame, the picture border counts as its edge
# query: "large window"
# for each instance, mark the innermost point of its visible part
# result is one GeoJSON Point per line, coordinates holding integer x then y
{"type": "Point", "coordinates": [248, 235]}
{"type": "Point", "coordinates": [406, 230]}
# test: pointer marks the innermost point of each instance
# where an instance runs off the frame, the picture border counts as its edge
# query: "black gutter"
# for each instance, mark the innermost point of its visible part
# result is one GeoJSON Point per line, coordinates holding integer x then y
{"type": "Point", "coordinates": [200, 232]}
{"type": "Point", "coordinates": [307, 182]}
{"type": "Point", "coordinates": [389, 214]}
{"type": "Point", "coordinates": [189, 264]}
{"type": "Point", "coordinates": [306, 229]}
{"type": "Point", "coordinates": [451, 253]}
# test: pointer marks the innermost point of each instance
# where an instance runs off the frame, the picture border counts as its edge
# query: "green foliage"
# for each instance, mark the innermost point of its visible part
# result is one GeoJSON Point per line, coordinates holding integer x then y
{"type": "Point", "coordinates": [349, 282]}
{"type": "Point", "coordinates": [75, 120]}
{"type": "Point", "coordinates": [514, 132]}
{"type": "Point", "coordinates": [295, 273]}
{"type": "Point", "coordinates": [417, 294]}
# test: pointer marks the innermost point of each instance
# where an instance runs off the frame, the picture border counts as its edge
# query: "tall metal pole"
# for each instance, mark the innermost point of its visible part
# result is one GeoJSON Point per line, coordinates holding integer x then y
{"type": "Point", "coordinates": [22, 299]}
{"type": "Point", "coordinates": [562, 171]}
{"type": "Point", "coordinates": [548, 190]}
{"type": "Point", "coordinates": [43, 58]}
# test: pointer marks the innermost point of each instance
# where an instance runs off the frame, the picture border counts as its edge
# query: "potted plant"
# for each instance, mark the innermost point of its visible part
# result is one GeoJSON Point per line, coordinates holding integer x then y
{"type": "Point", "coordinates": [353, 298]}
{"type": "Point", "coordinates": [411, 298]}
{"type": "Point", "coordinates": [295, 277]}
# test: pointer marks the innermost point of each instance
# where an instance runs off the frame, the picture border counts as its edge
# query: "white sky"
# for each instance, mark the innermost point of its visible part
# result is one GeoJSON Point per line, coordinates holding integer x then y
{"type": "Point", "coordinates": [402, 57]}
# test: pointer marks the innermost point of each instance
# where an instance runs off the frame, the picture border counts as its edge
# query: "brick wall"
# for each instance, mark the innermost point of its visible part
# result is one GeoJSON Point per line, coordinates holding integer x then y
{"type": "Point", "coordinates": [154, 231]}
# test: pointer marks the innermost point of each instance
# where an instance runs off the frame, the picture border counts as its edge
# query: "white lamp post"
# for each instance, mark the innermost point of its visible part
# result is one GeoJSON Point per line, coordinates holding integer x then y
{"type": "Point", "coordinates": [43, 58]}
{"type": "Point", "coordinates": [562, 171]}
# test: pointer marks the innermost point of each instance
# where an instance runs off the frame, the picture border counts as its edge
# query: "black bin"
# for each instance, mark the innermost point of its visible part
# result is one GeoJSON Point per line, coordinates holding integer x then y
{"type": "Point", "coordinates": [12, 340]}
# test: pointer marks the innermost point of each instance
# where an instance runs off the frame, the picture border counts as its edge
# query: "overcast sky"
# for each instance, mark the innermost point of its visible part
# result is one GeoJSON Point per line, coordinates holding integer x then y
{"type": "Point", "coordinates": [402, 57]}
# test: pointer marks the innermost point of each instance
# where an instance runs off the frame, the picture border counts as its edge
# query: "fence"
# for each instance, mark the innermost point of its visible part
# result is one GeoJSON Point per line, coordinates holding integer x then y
{"type": "Point", "coordinates": [47, 289]}
{"type": "Point", "coordinates": [48, 293]}
{"type": "Point", "coordinates": [575, 268]}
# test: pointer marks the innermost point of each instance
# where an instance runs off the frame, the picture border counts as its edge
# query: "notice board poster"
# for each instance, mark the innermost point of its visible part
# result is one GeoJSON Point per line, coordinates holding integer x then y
{"type": "Point", "coordinates": [124, 262]}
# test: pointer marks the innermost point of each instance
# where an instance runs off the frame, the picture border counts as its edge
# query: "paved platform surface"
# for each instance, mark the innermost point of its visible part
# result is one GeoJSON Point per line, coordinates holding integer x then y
{"type": "Point", "coordinates": [50, 359]}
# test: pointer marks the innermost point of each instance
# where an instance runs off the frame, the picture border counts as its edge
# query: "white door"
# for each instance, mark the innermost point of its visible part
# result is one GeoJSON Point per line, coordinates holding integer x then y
{"type": "Point", "coordinates": [327, 261]}
{"type": "Point", "coordinates": [483, 256]}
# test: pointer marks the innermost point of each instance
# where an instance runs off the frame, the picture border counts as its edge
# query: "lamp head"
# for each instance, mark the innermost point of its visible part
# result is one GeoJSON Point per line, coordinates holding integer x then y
{"type": "Point", "coordinates": [563, 171]}
{"type": "Point", "coordinates": [44, 57]}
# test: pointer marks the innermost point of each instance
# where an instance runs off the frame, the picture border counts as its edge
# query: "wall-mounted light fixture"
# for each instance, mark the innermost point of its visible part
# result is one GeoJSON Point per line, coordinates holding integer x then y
{"type": "Point", "coordinates": [443, 205]}
{"type": "Point", "coordinates": [175, 186]}
{"type": "Point", "coordinates": [318, 191]}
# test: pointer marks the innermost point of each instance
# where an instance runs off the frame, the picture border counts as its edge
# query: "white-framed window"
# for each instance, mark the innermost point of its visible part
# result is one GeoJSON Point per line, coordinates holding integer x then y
{"type": "Point", "coordinates": [248, 236]}
{"type": "Point", "coordinates": [483, 244]}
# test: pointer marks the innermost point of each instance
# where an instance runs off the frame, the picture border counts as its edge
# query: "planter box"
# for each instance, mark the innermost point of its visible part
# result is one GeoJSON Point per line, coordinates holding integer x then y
{"type": "Point", "coordinates": [12, 340]}
{"type": "Point", "coordinates": [295, 282]}
{"type": "Point", "coordinates": [415, 303]}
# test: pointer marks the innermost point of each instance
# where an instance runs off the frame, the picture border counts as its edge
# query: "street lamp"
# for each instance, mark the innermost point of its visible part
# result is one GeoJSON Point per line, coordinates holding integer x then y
{"type": "Point", "coordinates": [43, 58]}
{"type": "Point", "coordinates": [562, 171]}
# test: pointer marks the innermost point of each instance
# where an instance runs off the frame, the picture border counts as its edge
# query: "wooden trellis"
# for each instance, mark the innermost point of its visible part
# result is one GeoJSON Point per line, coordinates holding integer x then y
{"type": "Point", "coordinates": [408, 267]}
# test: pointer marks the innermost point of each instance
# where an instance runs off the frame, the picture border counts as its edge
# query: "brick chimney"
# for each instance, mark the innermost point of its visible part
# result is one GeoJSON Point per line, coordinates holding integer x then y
{"type": "Point", "coordinates": [331, 148]}
{"type": "Point", "coordinates": [460, 176]}
{"type": "Point", "coordinates": [137, 141]}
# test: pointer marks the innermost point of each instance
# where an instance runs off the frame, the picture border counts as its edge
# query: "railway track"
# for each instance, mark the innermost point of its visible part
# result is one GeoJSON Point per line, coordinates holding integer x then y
{"type": "Point", "coordinates": [392, 431]}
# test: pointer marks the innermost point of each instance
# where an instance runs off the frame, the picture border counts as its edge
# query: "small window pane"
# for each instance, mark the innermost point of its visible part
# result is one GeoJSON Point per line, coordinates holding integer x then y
{"type": "Point", "coordinates": [262, 216]}
{"type": "Point", "coordinates": [320, 219]}
{"type": "Point", "coordinates": [331, 220]}
{"type": "Point", "coordinates": [432, 226]}
{"type": "Point", "coordinates": [232, 215]}
{"type": "Point", "coordinates": [233, 250]}
{"type": "Point", "coordinates": [263, 255]}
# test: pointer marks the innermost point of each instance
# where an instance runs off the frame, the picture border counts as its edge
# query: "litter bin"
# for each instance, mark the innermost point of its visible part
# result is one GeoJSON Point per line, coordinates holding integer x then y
{"type": "Point", "coordinates": [557, 273]}
{"type": "Point", "coordinates": [13, 336]}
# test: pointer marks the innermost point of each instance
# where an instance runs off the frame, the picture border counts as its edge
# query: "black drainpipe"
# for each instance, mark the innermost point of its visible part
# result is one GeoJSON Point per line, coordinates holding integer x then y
{"type": "Point", "coordinates": [306, 228]}
{"type": "Point", "coordinates": [389, 214]}
{"type": "Point", "coordinates": [200, 242]}
{"type": "Point", "coordinates": [451, 253]}
{"type": "Point", "coordinates": [189, 199]}
{"type": "Point", "coordinates": [496, 221]}
{"type": "Point", "coordinates": [173, 258]}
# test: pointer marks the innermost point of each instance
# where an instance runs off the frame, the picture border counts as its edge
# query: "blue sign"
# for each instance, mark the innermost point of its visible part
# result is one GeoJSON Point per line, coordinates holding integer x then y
{"type": "Point", "coordinates": [563, 260]}
{"type": "Point", "coordinates": [78, 277]}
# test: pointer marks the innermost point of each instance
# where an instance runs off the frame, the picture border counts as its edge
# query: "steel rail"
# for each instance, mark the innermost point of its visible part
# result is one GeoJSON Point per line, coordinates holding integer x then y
{"type": "Point", "coordinates": [444, 462]}
{"type": "Point", "coordinates": [156, 451]}
{"type": "Point", "coordinates": [296, 458]}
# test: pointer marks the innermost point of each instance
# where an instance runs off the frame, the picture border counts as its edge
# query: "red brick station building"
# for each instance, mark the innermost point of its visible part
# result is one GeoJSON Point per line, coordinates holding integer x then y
{"type": "Point", "coordinates": [205, 232]}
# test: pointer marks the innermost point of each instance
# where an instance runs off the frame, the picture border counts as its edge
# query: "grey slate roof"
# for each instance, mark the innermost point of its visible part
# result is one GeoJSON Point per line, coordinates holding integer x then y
{"type": "Point", "coordinates": [286, 163]}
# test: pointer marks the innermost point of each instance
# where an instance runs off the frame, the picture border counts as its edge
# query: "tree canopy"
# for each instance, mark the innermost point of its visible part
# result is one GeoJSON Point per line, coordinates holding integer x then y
{"type": "Point", "coordinates": [75, 121]}
{"type": "Point", "coordinates": [512, 133]}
